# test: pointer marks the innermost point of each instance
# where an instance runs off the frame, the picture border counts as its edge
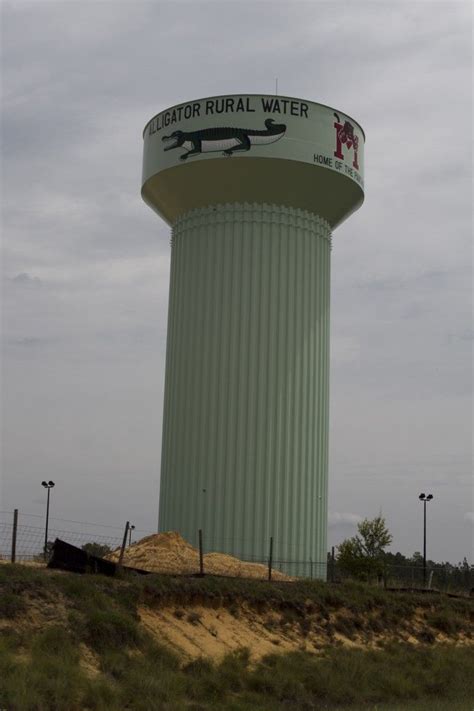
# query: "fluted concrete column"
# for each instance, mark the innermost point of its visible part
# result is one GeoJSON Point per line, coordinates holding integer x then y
{"type": "Point", "coordinates": [245, 434]}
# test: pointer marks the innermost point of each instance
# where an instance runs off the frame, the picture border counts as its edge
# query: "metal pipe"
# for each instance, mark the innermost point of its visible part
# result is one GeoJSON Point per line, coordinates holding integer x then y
{"type": "Point", "coordinates": [14, 532]}
{"type": "Point", "coordinates": [46, 528]}
{"type": "Point", "coordinates": [424, 543]}
{"type": "Point", "coordinates": [124, 543]}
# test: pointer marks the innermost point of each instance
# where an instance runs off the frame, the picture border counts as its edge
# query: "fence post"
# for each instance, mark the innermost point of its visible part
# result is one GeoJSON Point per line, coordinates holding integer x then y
{"type": "Point", "coordinates": [124, 543]}
{"type": "Point", "coordinates": [270, 559]}
{"type": "Point", "coordinates": [14, 531]}
{"type": "Point", "coordinates": [201, 556]}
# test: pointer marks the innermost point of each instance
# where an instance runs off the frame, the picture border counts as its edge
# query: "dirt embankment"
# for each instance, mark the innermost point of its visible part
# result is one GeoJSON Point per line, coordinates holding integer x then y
{"type": "Point", "coordinates": [213, 632]}
{"type": "Point", "coordinates": [195, 625]}
{"type": "Point", "coordinates": [170, 553]}
{"type": "Point", "coordinates": [206, 616]}
{"type": "Point", "coordinates": [90, 641]}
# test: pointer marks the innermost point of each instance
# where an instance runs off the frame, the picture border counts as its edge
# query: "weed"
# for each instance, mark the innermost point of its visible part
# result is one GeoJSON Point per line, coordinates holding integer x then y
{"type": "Point", "coordinates": [271, 623]}
{"type": "Point", "coordinates": [194, 617]}
{"type": "Point", "coordinates": [11, 605]}
{"type": "Point", "coordinates": [109, 629]}
{"type": "Point", "coordinates": [445, 621]}
{"type": "Point", "coordinates": [41, 670]}
{"type": "Point", "coordinates": [344, 625]}
{"type": "Point", "coordinates": [114, 663]}
{"type": "Point", "coordinates": [203, 684]}
{"type": "Point", "coordinates": [289, 617]}
{"type": "Point", "coordinates": [146, 689]}
{"type": "Point", "coordinates": [329, 629]}
{"type": "Point", "coordinates": [198, 667]}
{"type": "Point", "coordinates": [426, 636]}
{"type": "Point", "coordinates": [232, 670]}
{"type": "Point", "coordinates": [99, 695]}
{"type": "Point", "coordinates": [160, 657]}
{"type": "Point", "coordinates": [305, 625]}
{"type": "Point", "coordinates": [375, 624]}
{"type": "Point", "coordinates": [234, 610]}
{"type": "Point", "coordinates": [55, 641]}
{"type": "Point", "coordinates": [50, 680]}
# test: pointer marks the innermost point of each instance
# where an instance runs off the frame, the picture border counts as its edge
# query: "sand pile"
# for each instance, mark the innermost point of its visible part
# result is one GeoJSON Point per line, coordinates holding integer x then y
{"type": "Point", "coordinates": [170, 553]}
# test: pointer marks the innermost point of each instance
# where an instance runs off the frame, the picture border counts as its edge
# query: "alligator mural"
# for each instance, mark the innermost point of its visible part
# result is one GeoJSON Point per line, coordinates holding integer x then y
{"type": "Point", "coordinates": [229, 140]}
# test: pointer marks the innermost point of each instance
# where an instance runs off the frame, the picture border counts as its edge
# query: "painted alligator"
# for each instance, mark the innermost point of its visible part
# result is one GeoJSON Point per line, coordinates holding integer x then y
{"type": "Point", "coordinates": [229, 140]}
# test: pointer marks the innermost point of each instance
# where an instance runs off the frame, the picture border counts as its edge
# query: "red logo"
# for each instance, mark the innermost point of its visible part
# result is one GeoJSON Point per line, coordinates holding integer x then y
{"type": "Point", "coordinates": [345, 136]}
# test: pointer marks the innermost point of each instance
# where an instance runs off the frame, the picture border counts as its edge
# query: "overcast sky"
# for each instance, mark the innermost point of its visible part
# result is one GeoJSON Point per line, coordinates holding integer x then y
{"type": "Point", "coordinates": [86, 262]}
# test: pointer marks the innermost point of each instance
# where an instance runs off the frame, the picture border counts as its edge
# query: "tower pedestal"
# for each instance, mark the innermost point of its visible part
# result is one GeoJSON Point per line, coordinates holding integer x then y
{"type": "Point", "coordinates": [245, 439]}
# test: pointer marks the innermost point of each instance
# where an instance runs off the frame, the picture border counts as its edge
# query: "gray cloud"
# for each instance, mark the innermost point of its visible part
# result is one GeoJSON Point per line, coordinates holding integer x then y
{"type": "Point", "coordinates": [28, 342]}
{"type": "Point", "coordinates": [87, 263]}
{"type": "Point", "coordinates": [25, 279]}
{"type": "Point", "coordinates": [336, 518]}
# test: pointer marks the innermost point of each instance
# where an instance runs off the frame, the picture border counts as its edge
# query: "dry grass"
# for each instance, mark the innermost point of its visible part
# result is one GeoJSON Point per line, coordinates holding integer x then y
{"type": "Point", "coordinates": [88, 642]}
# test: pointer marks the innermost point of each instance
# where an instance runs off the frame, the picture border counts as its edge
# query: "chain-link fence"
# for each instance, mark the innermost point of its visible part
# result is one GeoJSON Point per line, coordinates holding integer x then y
{"type": "Point", "coordinates": [30, 541]}
{"type": "Point", "coordinates": [27, 542]}
{"type": "Point", "coordinates": [446, 577]}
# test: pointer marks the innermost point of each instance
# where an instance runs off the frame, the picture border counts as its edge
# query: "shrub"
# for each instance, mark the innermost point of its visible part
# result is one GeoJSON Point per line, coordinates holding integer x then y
{"type": "Point", "coordinates": [198, 667]}
{"type": "Point", "coordinates": [55, 641]}
{"type": "Point", "coordinates": [345, 625]}
{"type": "Point", "coordinates": [51, 680]}
{"type": "Point", "coordinates": [98, 549]}
{"type": "Point", "coordinates": [99, 695]}
{"type": "Point", "coordinates": [234, 610]}
{"type": "Point", "coordinates": [426, 636]}
{"type": "Point", "coordinates": [445, 621]}
{"type": "Point", "coordinates": [110, 629]}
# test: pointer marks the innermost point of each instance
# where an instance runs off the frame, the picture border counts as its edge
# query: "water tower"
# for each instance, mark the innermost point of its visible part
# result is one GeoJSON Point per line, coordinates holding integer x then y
{"type": "Point", "coordinates": [253, 187]}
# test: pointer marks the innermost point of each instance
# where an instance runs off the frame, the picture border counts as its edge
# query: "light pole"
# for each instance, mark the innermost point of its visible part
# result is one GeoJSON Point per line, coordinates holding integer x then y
{"type": "Point", "coordinates": [424, 498]}
{"type": "Point", "coordinates": [47, 485]}
{"type": "Point", "coordinates": [132, 528]}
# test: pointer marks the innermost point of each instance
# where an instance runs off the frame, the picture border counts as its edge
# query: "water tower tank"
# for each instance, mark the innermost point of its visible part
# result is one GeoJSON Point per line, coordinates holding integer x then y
{"type": "Point", "coordinates": [253, 187]}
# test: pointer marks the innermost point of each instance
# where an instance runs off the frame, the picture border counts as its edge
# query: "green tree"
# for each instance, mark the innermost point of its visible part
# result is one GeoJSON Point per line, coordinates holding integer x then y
{"type": "Point", "coordinates": [363, 555]}
{"type": "Point", "coordinates": [417, 558]}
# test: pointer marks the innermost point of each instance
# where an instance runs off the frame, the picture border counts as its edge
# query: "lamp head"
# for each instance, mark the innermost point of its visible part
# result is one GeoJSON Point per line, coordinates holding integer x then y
{"type": "Point", "coordinates": [44, 483]}
{"type": "Point", "coordinates": [429, 497]}
{"type": "Point", "coordinates": [422, 497]}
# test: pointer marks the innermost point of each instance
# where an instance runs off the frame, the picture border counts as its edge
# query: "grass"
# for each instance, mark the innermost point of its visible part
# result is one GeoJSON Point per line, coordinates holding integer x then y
{"type": "Point", "coordinates": [41, 671]}
{"type": "Point", "coordinates": [11, 605]}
